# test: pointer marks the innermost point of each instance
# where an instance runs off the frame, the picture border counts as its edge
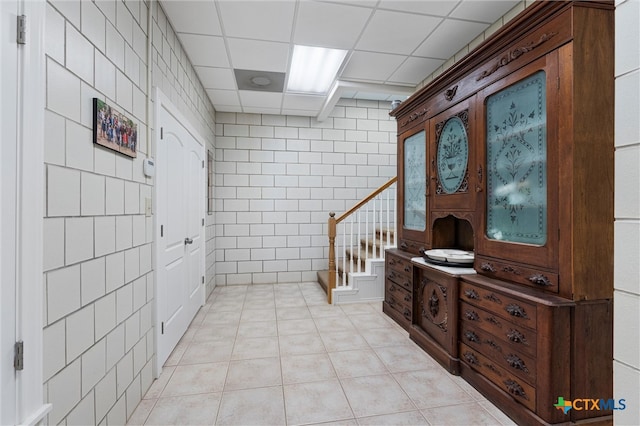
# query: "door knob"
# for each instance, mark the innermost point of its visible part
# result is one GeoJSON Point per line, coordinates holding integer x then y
{"type": "Point", "coordinates": [188, 241]}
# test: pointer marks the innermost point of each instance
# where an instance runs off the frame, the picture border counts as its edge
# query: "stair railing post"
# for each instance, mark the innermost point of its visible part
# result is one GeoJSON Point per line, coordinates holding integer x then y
{"type": "Point", "coordinates": [332, 256]}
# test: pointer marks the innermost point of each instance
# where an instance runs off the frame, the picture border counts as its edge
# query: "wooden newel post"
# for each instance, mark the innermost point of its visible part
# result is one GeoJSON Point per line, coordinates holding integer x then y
{"type": "Point", "coordinates": [332, 256]}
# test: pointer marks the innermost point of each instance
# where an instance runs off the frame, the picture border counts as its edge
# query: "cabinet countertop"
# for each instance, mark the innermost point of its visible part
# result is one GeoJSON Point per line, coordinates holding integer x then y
{"type": "Point", "coordinates": [448, 269]}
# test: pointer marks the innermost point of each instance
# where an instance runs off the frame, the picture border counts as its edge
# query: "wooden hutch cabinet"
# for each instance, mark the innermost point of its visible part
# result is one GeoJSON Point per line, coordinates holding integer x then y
{"type": "Point", "coordinates": [509, 153]}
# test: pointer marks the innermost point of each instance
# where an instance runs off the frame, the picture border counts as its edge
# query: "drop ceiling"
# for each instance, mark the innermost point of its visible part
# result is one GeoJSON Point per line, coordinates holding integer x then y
{"type": "Point", "coordinates": [392, 46]}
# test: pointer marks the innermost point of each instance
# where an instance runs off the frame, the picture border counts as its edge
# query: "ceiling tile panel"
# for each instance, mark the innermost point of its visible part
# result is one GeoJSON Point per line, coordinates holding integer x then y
{"type": "Point", "coordinates": [262, 20]}
{"type": "Point", "coordinates": [483, 10]}
{"type": "Point", "coordinates": [216, 78]}
{"type": "Point", "coordinates": [307, 102]}
{"type": "Point", "coordinates": [431, 7]}
{"type": "Point", "coordinates": [250, 98]}
{"type": "Point", "coordinates": [367, 66]}
{"type": "Point", "coordinates": [449, 38]}
{"type": "Point", "coordinates": [223, 97]}
{"type": "Point", "coordinates": [396, 32]}
{"type": "Point", "coordinates": [414, 70]}
{"type": "Point", "coordinates": [346, 23]}
{"type": "Point", "coordinates": [196, 17]}
{"type": "Point", "coordinates": [204, 50]}
{"type": "Point", "coordinates": [258, 55]}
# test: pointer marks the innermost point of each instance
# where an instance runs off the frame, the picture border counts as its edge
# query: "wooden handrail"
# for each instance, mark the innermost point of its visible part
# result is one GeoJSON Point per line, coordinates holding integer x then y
{"type": "Point", "coordinates": [365, 200]}
{"type": "Point", "coordinates": [332, 233]}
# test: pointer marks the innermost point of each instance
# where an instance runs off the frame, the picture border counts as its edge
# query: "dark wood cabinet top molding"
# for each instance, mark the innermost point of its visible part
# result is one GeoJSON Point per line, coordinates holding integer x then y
{"type": "Point", "coordinates": [515, 54]}
{"type": "Point", "coordinates": [450, 93]}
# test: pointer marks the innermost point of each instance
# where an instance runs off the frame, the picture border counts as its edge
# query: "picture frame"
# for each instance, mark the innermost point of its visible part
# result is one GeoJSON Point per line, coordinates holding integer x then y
{"type": "Point", "coordinates": [114, 130]}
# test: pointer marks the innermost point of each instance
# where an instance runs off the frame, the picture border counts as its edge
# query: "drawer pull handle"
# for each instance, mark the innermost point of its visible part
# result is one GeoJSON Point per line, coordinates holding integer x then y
{"type": "Point", "coordinates": [515, 362]}
{"type": "Point", "coordinates": [392, 262]}
{"type": "Point", "coordinates": [487, 267]}
{"type": "Point", "coordinates": [516, 311]}
{"type": "Point", "coordinates": [407, 268]}
{"type": "Point", "coordinates": [493, 345]}
{"type": "Point", "coordinates": [407, 314]}
{"type": "Point", "coordinates": [471, 336]}
{"type": "Point", "coordinates": [516, 337]}
{"type": "Point", "coordinates": [541, 280]}
{"type": "Point", "coordinates": [403, 245]}
{"type": "Point", "coordinates": [493, 298]}
{"type": "Point", "coordinates": [407, 298]}
{"type": "Point", "coordinates": [471, 358]}
{"type": "Point", "coordinates": [391, 275]}
{"type": "Point", "coordinates": [392, 288]}
{"type": "Point", "coordinates": [472, 294]}
{"type": "Point", "coordinates": [471, 315]}
{"type": "Point", "coordinates": [391, 301]}
{"type": "Point", "coordinates": [515, 389]}
{"type": "Point", "coordinates": [407, 284]}
{"type": "Point", "coordinates": [493, 320]}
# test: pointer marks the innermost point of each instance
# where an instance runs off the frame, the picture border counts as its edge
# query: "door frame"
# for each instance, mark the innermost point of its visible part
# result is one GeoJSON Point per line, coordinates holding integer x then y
{"type": "Point", "coordinates": [162, 101]}
{"type": "Point", "coordinates": [28, 181]}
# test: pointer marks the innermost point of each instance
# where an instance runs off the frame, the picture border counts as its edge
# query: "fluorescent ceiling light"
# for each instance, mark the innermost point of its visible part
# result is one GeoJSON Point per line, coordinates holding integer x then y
{"type": "Point", "coordinates": [314, 68]}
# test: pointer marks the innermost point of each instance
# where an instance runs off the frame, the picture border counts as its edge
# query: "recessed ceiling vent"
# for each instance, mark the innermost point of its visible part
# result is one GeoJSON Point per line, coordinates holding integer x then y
{"type": "Point", "coordinates": [262, 81]}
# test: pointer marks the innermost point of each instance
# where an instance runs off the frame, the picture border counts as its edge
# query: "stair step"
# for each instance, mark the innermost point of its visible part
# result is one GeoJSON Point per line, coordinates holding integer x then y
{"type": "Point", "coordinates": [323, 279]}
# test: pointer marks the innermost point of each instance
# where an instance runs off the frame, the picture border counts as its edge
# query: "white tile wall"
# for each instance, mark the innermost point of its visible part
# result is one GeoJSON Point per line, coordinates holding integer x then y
{"type": "Point", "coordinates": [278, 178]}
{"type": "Point", "coordinates": [627, 212]}
{"type": "Point", "coordinates": [99, 345]}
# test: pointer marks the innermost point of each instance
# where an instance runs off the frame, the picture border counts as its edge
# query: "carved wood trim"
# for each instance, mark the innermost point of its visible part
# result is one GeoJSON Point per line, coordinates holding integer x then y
{"type": "Point", "coordinates": [515, 54]}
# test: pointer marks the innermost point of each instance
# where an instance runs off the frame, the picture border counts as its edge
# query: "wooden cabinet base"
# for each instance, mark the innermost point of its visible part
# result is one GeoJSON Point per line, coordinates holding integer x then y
{"type": "Point", "coordinates": [396, 316]}
{"type": "Point", "coordinates": [433, 348]}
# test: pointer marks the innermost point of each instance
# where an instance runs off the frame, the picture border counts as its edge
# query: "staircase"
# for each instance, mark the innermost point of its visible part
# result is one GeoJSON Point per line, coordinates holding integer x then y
{"type": "Point", "coordinates": [357, 241]}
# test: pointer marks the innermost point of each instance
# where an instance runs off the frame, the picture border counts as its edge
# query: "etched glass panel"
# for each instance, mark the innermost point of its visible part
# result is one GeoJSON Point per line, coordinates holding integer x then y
{"type": "Point", "coordinates": [415, 172]}
{"type": "Point", "coordinates": [452, 155]}
{"type": "Point", "coordinates": [516, 162]}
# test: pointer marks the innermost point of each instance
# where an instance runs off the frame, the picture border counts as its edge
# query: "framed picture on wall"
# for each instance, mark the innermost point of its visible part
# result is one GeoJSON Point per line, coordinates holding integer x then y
{"type": "Point", "coordinates": [113, 129]}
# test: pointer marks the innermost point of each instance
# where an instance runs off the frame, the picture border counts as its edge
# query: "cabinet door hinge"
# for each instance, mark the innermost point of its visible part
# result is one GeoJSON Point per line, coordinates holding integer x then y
{"type": "Point", "coordinates": [21, 32]}
{"type": "Point", "coordinates": [18, 356]}
{"type": "Point", "coordinates": [162, 327]}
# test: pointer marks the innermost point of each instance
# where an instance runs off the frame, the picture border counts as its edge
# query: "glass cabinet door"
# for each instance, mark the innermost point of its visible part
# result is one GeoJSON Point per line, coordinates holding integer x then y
{"type": "Point", "coordinates": [415, 200]}
{"type": "Point", "coordinates": [516, 155]}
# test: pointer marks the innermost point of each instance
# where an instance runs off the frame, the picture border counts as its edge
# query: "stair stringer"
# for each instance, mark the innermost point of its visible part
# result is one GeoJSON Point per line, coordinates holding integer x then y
{"type": "Point", "coordinates": [363, 287]}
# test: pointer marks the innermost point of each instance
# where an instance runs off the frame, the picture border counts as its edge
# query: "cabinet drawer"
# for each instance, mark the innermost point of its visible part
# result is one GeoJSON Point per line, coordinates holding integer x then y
{"type": "Point", "coordinates": [520, 274]}
{"type": "Point", "coordinates": [399, 265]}
{"type": "Point", "coordinates": [516, 387]}
{"type": "Point", "coordinates": [403, 280]}
{"type": "Point", "coordinates": [398, 304]}
{"type": "Point", "coordinates": [399, 293]}
{"type": "Point", "coordinates": [521, 339]}
{"type": "Point", "coordinates": [514, 310]}
{"type": "Point", "coordinates": [503, 353]}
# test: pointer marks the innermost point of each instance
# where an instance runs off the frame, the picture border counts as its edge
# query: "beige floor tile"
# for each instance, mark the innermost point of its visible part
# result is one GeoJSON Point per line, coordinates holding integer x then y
{"type": "Point", "coordinates": [495, 412]}
{"type": "Point", "coordinates": [297, 312]}
{"type": "Point", "coordinates": [405, 357]}
{"type": "Point", "coordinates": [361, 362]}
{"type": "Point", "coordinates": [461, 414]}
{"type": "Point", "coordinates": [409, 418]}
{"type": "Point", "coordinates": [369, 321]}
{"type": "Point", "coordinates": [342, 340]}
{"type": "Point", "coordinates": [176, 354]}
{"type": "Point", "coordinates": [259, 314]}
{"type": "Point", "coordinates": [432, 388]}
{"type": "Point", "coordinates": [261, 406]}
{"type": "Point", "coordinates": [290, 302]}
{"type": "Point", "coordinates": [258, 329]}
{"type": "Point", "coordinates": [306, 368]}
{"type": "Point", "coordinates": [259, 302]}
{"type": "Point", "coordinates": [222, 318]}
{"type": "Point", "coordinates": [334, 323]}
{"type": "Point", "coordinates": [207, 352]}
{"type": "Point", "coordinates": [385, 336]}
{"type": "Point", "coordinates": [198, 378]}
{"type": "Point", "coordinates": [300, 344]}
{"type": "Point", "coordinates": [142, 411]}
{"type": "Point", "coordinates": [357, 308]}
{"type": "Point", "coordinates": [226, 306]}
{"type": "Point", "coordinates": [316, 402]}
{"type": "Point", "coordinates": [255, 347]}
{"type": "Point", "coordinates": [350, 422]}
{"type": "Point", "coordinates": [324, 311]}
{"type": "Point", "coordinates": [253, 373]}
{"type": "Point", "coordinates": [158, 385]}
{"type": "Point", "coordinates": [376, 395]}
{"type": "Point", "coordinates": [185, 410]}
{"type": "Point", "coordinates": [215, 333]}
{"type": "Point", "coordinates": [297, 326]}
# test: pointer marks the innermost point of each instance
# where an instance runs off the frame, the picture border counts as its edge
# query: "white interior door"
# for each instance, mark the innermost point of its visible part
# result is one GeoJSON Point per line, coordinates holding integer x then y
{"type": "Point", "coordinates": [8, 202]}
{"type": "Point", "coordinates": [180, 210]}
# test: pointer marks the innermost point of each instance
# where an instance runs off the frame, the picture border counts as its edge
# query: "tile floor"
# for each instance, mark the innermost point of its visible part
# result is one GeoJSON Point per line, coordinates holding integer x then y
{"type": "Point", "coordinates": [279, 355]}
